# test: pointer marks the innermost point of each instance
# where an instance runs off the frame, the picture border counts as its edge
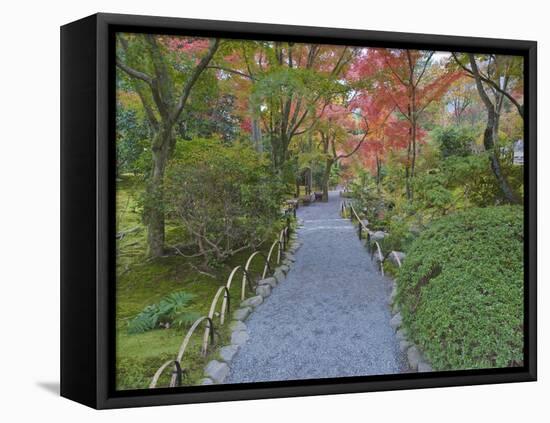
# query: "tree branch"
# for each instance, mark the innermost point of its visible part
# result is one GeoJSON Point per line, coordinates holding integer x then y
{"type": "Point", "coordinates": [214, 44]}
{"type": "Point", "coordinates": [492, 83]}
{"type": "Point", "coordinates": [229, 70]}
{"type": "Point", "coordinates": [133, 72]}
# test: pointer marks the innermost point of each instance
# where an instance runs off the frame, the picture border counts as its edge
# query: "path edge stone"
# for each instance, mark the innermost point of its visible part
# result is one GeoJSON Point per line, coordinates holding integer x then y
{"type": "Point", "coordinates": [416, 360]}
{"type": "Point", "coordinates": [221, 363]}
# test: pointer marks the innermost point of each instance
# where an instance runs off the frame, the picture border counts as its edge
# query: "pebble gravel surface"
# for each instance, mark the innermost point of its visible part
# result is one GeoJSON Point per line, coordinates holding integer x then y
{"type": "Point", "coordinates": [330, 316]}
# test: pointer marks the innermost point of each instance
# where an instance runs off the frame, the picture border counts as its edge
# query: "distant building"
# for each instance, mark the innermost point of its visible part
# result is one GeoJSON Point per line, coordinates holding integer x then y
{"type": "Point", "coordinates": [518, 153]}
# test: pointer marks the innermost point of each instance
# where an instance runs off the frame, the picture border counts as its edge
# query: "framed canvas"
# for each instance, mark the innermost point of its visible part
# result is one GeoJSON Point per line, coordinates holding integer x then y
{"type": "Point", "coordinates": [257, 211]}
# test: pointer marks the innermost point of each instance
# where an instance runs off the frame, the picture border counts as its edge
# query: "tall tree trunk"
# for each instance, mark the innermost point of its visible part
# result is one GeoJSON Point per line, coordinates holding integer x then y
{"type": "Point", "coordinates": [257, 135]}
{"type": "Point", "coordinates": [326, 178]}
{"type": "Point", "coordinates": [490, 135]}
{"type": "Point", "coordinates": [378, 173]}
{"type": "Point", "coordinates": [309, 181]}
{"type": "Point", "coordinates": [408, 187]}
{"type": "Point", "coordinates": [153, 210]}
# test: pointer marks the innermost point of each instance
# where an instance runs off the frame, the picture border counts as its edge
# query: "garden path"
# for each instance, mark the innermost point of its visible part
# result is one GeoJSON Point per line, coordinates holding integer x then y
{"type": "Point", "coordinates": [329, 317]}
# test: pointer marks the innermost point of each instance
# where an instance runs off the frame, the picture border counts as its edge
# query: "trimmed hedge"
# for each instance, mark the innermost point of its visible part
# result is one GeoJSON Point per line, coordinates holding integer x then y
{"type": "Point", "coordinates": [461, 289]}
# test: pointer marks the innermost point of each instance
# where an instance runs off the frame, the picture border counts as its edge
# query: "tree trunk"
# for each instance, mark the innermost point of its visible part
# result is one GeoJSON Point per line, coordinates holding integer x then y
{"type": "Point", "coordinates": [257, 135]}
{"type": "Point", "coordinates": [408, 187]}
{"type": "Point", "coordinates": [154, 210]}
{"type": "Point", "coordinates": [326, 178]}
{"type": "Point", "coordinates": [490, 134]}
{"type": "Point", "coordinates": [378, 173]}
{"type": "Point", "coordinates": [491, 147]}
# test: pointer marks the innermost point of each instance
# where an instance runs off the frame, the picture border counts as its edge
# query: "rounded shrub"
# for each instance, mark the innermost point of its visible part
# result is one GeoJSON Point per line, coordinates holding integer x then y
{"type": "Point", "coordinates": [461, 289]}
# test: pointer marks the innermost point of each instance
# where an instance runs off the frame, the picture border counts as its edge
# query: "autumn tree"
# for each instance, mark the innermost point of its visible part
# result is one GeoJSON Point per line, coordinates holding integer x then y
{"type": "Point", "coordinates": [461, 97]}
{"type": "Point", "coordinates": [408, 81]}
{"type": "Point", "coordinates": [288, 87]}
{"type": "Point", "coordinates": [498, 79]}
{"type": "Point", "coordinates": [163, 71]}
{"type": "Point", "coordinates": [342, 131]}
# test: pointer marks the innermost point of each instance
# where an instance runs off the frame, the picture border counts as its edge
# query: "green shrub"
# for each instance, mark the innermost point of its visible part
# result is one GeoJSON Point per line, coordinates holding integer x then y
{"type": "Point", "coordinates": [461, 289]}
{"type": "Point", "coordinates": [399, 236]}
{"type": "Point", "coordinates": [455, 140]}
{"type": "Point", "coordinates": [224, 196]}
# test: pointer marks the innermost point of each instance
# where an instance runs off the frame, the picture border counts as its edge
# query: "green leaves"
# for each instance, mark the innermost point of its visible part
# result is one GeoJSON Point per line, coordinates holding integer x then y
{"type": "Point", "coordinates": [455, 140]}
{"type": "Point", "coordinates": [172, 309]}
{"type": "Point", "coordinates": [225, 196]}
{"type": "Point", "coordinates": [461, 289]}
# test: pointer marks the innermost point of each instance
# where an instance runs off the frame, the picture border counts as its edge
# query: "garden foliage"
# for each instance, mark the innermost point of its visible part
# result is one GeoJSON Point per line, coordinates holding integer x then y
{"type": "Point", "coordinates": [461, 289]}
{"type": "Point", "coordinates": [171, 310]}
{"type": "Point", "coordinates": [225, 197]}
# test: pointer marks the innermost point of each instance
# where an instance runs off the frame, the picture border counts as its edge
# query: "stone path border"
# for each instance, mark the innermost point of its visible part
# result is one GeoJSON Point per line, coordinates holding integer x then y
{"type": "Point", "coordinates": [217, 370]}
{"type": "Point", "coordinates": [415, 358]}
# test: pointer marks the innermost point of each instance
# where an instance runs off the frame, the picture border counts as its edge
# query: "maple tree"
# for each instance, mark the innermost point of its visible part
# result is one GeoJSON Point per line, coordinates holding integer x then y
{"type": "Point", "coordinates": [283, 88]}
{"type": "Point", "coordinates": [145, 59]}
{"type": "Point", "coordinates": [405, 80]}
{"type": "Point", "coordinates": [341, 131]}
{"type": "Point", "coordinates": [308, 107]}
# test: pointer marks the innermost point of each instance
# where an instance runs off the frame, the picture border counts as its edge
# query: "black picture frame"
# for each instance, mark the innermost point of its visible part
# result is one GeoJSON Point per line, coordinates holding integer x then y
{"type": "Point", "coordinates": [87, 211]}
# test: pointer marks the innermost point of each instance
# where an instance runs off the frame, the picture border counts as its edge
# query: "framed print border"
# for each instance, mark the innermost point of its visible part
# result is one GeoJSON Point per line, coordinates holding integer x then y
{"type": "Point", "coordinates": [88, 225]}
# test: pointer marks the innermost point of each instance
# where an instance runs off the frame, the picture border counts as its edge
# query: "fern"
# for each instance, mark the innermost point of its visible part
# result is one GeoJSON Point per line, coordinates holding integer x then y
{"type": "Point", "coordinates": [171, 309]}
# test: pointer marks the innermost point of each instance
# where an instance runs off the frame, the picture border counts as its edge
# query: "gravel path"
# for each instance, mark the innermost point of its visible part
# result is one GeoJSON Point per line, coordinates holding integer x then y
{"type": "Point", "coordinates": [329, 318]}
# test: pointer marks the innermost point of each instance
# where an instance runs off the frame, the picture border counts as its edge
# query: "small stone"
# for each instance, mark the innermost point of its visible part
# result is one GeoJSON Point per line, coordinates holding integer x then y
{"type": "Point", "coordinates": [414, 357]}
{"type": "Point", "coordinates": [252, 301]}
{"type": "Point", "coordinates": [242, 313]}
{"type": "Point", "coordinates": [279, 275]}
{"type": "Point", "coordinates": [396, 321]}
{"type": "Point", "coordinates": [284, 268]}
{"type": "Point", "coordinates": [403, 345]}
{"type": "Point", "coordinates": [217, 371]}
{"type": "Point", "coordinates": [393, 294]}
{"type": "Point", "coordinates": [424, 367]}
{"type": "Point", "coordinates": [378, 236]}
{"type": "Point", "coordinates": [228, 352]}
{"type": "Point", "coordinates": [207, 381]}
{"type": "Point", "coordinates": [272, 282]}
{"type": "Point", "coordinates": [263, 290]}
{"type": "Point", "coordinates": [239, 337]}
{"type": "Point", "coordinates": [401, 334]}
{"type": "Point", "coordinates": [287, 262]}
{"type": "Point", "coordinates": [237, 325]}
{"type": "Point", "coordinates": [395, 308]}
{"type": "Point", "coordinates": [290, 257]}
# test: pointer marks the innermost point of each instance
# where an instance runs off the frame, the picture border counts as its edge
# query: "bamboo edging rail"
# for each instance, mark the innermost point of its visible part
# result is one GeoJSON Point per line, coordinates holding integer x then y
{"type": "Point", "coordinates": [281, 243]}
{"type": "Point", "coordinates": [362, 227]}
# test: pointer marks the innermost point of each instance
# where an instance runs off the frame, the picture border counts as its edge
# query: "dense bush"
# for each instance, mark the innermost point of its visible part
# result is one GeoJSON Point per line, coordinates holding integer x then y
{"type": "Point", "coordinates": [399, 236]}
{"type": "Point", "coordinates": [461, 289]}
{"type": "Point", "coordinates": [225, 197]}
{"type": "Point", "coordinates": [432, 195]}
{"type": "Point", "coordinates": [132, 142]}
{"type": "Point", "coordinates": [455, 140]}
